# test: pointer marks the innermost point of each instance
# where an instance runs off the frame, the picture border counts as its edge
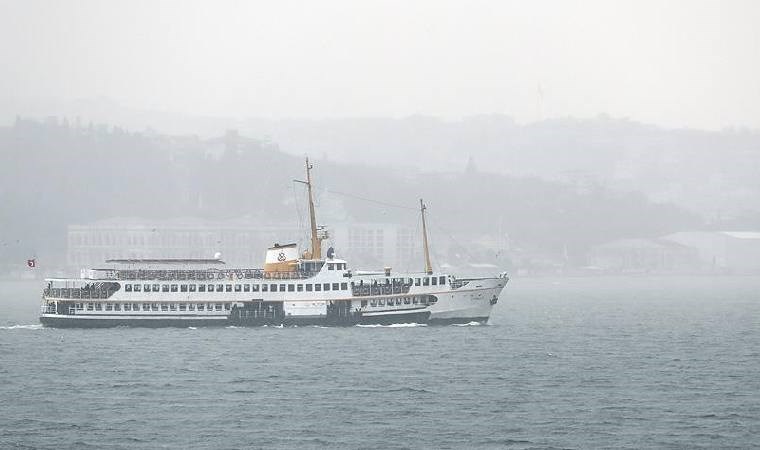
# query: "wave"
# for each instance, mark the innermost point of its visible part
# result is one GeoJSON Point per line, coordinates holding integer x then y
{"type": "Point", "coordinates": [192, 328]}
{"type": "Point", "coordinates": [34, 326]}
{"type": "Point", "coordinates": [468, 324]}
{"type": "Point", "coordinates": [394, 325]}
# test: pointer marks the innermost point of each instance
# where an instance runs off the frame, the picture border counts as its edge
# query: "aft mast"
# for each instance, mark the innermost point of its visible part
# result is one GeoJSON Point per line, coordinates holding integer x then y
{"type": "Point", "coordinates": [428, 266]}
{"type": "Point", "coordinates": [316, 242]}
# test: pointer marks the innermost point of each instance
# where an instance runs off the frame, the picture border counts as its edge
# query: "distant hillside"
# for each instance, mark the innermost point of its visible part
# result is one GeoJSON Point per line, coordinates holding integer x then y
{"type": "Point", "coordinates": [53, 174]}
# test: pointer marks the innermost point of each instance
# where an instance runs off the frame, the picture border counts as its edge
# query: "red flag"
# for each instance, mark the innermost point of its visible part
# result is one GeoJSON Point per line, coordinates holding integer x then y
{"type": "Point", "coordinates": [31, 263]}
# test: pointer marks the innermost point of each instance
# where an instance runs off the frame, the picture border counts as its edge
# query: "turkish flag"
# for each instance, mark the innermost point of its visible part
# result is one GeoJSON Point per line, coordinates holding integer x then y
{"type": "Point", "coordinates": [31, 262]}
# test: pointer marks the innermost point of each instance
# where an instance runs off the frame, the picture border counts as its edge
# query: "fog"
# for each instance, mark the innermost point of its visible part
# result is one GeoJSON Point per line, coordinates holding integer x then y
{"type": "Point", "coordinates": [570, 137]}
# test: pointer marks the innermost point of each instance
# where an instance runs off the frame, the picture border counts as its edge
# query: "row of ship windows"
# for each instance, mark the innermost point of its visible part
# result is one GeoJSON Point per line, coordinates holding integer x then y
{"type": "Point", "coordinates": [415, 300]}
{"type": "Point", "coordinates": [153, 306]}
{"type": "Point", "coordinates": [235, 287]}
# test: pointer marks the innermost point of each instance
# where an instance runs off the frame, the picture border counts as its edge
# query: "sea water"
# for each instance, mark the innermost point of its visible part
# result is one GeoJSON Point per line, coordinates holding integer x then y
{"type": "Point", "coordinates": [639, 362]}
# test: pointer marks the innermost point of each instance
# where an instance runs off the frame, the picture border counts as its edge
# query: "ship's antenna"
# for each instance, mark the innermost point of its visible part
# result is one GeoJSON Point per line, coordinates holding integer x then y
{"type": "Point", "coordinates": [428, 266]}
{"type": "Point", "coordinates": [316, 243]}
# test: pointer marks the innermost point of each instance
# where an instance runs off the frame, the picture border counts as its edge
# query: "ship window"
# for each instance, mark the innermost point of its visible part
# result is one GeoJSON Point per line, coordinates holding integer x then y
{"type": "Point", "coordinates": [191, 307]}
{"type": "Point", "coordinates": [330, 266]}
{"type": "Point", "coordinates": [164, 307]}
{"type": "Point", "coordinates": [192, 288]}
{"type": "Point", "coordinates": [90, 306]}
{"type": "Point", "coordinates": [372, 302]}
{"type": "Point", "coordinates": [435, 281]}
{"type": "Point", "coordinates": [154, 307]}
{"type": "Point", "coordinates": [406, 300]}
{"type": "Point", "coordinates": [264, 287]}
{"type": "Point", "coordinates": [164, 288]}
{"type": "Point", "coordinates": [326, 287]}
{"type": "Point", "coordinates": [109, 307]}
{"type": "Point", "coordinates": [441, 280]}
{"type": "Point", "coordinates": [210, 288]}
{"type": "Point", "coordinates": [218, 307]}
{"type": "Point", "coordinates": [381, 302]}
{"type": "Point", "coordinates": [291, 288]}
{"type": "Point", "coordinates": [173, 306]}
{"type": "Point", "coordinates": [146, 287]}
{"type": "Point", "coordinates": [201, 288]}
{"type": "Point", "coordinates": [344, 286]}
{"type": "Point", "coordinates": [415, 300]}
{"type": "Point", "coordinates": [335, 286]}
{"type": "Point", "coordinates": [272, 288]}
{"type": "Point", "coordinates": [183, 288]}
{"type": "Point", "coordinates": [432, 299]}
{"type": "Point", "coordinates": [364, 303]}
{"type": "Point", "coordinates": [255, 288]}
{"type": "Point", "coordinates": [227, 306]}
{"type": "Point", "coordinates": [299, 287]}
{"type": "Point", "coordinates": [135, 306]}
{"type": "Point", "coordinates": [98, 306]}
{"type": "Point", "coordinates": [282, 288]}
{"type": "Point", "coordinates": [174, 288]}
{"type": "Point", "coordinates": [238, 288]}
{"type": "Point", "coordinates": [201, 306]}
{"type": "Point", "coordinates": [127, 307]}
{"type": "Point", "coordinates": [137, 288]}
{"type": "Point", "coordinates": [182, 307]}
{"type": "Point", "coordinates": [416, 281]}
{"type": "Point", "coordinates": [146, 306]}
{"type": "Point", "coordinates": [127, 288]}
{"type": "Point", "coordinates": [246, 288]}
{"type": "Point", "coordinates": [398, 301]}
{"type": "Point", "coordinates": [227, 288]}
{"type": "Point", "coordinates": [317, 287]}
{"type": "Point", "coordinates": [426, 281]}
{"type": "Point", "coordinates": [308, 288]}
{"type": "Point", "coordinates": [219, 288]}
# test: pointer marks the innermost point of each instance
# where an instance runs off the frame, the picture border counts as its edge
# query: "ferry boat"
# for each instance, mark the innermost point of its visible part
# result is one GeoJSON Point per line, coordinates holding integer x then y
{"type": "Point", "coordinates": [290, 289]}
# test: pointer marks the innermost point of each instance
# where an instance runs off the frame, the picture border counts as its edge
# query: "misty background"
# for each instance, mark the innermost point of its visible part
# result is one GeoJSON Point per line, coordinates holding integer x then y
{"type": "Point", "coordinates": [550, 137]}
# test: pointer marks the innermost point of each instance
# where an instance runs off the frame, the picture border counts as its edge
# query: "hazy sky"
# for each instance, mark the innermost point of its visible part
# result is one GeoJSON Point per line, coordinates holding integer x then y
{"type": "Point", "coordinates": [674, 63]}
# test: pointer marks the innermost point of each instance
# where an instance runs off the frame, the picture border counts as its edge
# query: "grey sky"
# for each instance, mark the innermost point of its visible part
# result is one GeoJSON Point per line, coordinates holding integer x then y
{"type": "Point", "coordinates": [678, 63]}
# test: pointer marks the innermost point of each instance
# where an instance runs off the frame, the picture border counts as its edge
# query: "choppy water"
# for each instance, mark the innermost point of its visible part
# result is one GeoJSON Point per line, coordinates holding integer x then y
{"type": "Point", "coordinates": [566, 363]}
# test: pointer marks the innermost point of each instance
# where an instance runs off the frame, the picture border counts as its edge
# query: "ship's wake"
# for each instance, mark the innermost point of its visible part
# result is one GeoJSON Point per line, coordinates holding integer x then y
{"type": "Point", "coordinates": [34, 326]}
{"type": "Point", "coordinates": [394, 325]}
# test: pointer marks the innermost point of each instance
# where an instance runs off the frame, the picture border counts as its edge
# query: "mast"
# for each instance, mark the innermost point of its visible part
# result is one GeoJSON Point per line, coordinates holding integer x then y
{"type": "Point", "coordinates": [316, 240]}
{"type": "Point", "coordinates": [428, 266]}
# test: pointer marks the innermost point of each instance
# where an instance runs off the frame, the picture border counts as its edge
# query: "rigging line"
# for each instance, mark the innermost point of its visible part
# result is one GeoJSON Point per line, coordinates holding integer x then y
{"type": "Point", "coordinates": [372, 201]}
